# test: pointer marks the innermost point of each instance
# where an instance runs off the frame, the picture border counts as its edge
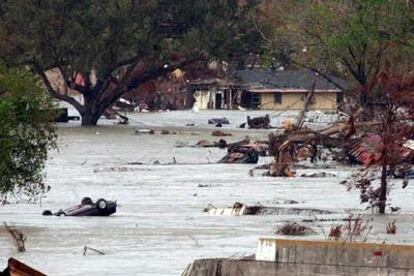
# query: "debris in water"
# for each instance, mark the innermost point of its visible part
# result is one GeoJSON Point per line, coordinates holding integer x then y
{"type": "Point", "coordinates": [218, 121]}
{"type": "Point", "coordinates": [219, 133]}
{"type": "Point", "coordinates": [86, 248]}
{"type": "Point", "coordinates": [259, 122]}
{"type": "Point", "coordinates": [19, 238]}
{"type": "Point", "coordinates": [87, 207]}
{"type": "Point", "coordinates": [17, 268]}
{"type": "Point", "coordinates": [239, 209]}
{"type": "Point", "coordinates": [294, 229]}
{"type": "Point", "coordinates": [391, 227]}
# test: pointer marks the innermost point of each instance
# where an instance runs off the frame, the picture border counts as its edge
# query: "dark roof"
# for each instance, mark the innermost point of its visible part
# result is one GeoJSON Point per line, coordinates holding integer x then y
{"type": "Point", "coordinates": [285, 79]}
{"type": "Point", "coordinates": [212, 82]}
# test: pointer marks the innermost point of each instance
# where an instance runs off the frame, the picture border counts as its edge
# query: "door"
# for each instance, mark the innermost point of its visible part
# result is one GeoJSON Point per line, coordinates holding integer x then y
{"type": "Point", "coordinates": [219, 98]}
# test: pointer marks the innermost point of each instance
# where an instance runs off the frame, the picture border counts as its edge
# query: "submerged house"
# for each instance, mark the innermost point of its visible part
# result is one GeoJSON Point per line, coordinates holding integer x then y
{"type": "Point", "coordinates": [287, 90]}
{"type": "Point", "coordinates": [215, 93]}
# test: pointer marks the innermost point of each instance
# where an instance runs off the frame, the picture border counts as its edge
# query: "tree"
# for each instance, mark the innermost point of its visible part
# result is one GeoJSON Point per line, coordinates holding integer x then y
{"type": "Point", "coordinates": [357, 40]}
{"type": "Point", "coordinates": [352, 39]}
{"type": "Point", "coordinates": [114, 46]}
{"type": "Point", "coordinates": [392, 98]}
{"type": "Point", "coordinates": [26, 133]}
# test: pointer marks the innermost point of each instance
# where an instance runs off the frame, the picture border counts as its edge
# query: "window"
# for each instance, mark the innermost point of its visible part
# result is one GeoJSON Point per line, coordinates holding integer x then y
{"type": "Point", "coordinates": [256, 100]}
{"type": "Point", "coordinates": [277, 98]}
{"type": "Point", "coordinates": [339, 97]}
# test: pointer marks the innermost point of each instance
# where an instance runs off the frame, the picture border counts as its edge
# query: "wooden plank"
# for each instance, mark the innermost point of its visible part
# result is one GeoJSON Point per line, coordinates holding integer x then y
{"type": "Point", "coordinates": [17, 268]}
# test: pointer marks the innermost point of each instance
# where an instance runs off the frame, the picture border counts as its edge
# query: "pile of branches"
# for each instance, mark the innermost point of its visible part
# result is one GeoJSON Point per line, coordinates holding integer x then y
{"type": "Point", "coordinates": [294, 229]}
{"type": "Point", "coordinates": [373, 133]}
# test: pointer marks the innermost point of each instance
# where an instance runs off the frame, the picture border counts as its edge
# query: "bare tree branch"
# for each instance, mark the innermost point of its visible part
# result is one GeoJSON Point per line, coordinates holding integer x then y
{"type": "Point", "coordinates": [127, 85]}
{"type": "Point", "coordinates": [54, 93]}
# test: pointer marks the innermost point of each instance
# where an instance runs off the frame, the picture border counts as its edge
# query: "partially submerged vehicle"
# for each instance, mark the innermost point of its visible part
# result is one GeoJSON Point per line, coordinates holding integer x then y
{"type": "Point", "coordinates": [259, 122]}
{"type": "Point", "coordinates": [87, 207]}
{"type": "Point", "coordinates": [245, 154]}
{"type": "Point", "coordinates": [404, 170]}
{"type": "Point", "coordinates": [218, 121]}
{"type": "Point", "coordinates": [62, 116]}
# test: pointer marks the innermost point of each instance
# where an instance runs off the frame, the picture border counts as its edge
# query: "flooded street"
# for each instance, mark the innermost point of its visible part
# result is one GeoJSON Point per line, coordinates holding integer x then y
{"type": "Point", "coordinates": [159, 226]}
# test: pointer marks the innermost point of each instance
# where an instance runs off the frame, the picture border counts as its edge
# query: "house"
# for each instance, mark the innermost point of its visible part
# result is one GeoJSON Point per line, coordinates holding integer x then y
{"type": "Point", "coordinates": [215, 93]}
{"type": "Point", "coordinates": [287, 90]}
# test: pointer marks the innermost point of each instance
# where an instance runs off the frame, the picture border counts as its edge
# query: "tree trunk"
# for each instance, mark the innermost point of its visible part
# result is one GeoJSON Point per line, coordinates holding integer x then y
{"type": "Point", "coordinates": [90, 114]}
{"type": "Point", "coordinates": [383, 189]}
{"type": "Point", "coordinates": [89, 118]}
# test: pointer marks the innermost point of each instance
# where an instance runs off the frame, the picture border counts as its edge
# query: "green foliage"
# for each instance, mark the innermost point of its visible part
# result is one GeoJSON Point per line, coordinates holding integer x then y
{"type": "Point", "coordinates": [354, 39]}
{"type": "Point", "coordinates": [26, 133]}
{"type": "Point", "coordinates": [99, 34]}
{"type": "Point", "coordinates": [124, 43]}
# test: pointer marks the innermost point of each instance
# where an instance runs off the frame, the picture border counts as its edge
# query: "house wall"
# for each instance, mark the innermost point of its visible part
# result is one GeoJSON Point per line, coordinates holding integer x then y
{"type": "Point", "coordinates": [294, 101]}
{"type": "Point", "coordinates": [202, 99]}
{"type": "Point", "coordinates": [207, 99]}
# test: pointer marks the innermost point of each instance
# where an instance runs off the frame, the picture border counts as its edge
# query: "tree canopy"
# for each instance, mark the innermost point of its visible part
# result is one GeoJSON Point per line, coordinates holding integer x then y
{"type": "Point", "coordinates": [353, 39]}
{"type": "Point", "coordinates": [116, 45]}
{"type": "Point", "coordinates": [26, 133]}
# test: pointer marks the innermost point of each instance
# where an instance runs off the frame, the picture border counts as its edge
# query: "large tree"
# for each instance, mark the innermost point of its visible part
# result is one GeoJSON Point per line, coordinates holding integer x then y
{"type": "Point", "coordinates": [114, 46]}
{"type": "Point", "coordinates": [26, 133]}
{"type": "Point", "coordinates": [353, 38]}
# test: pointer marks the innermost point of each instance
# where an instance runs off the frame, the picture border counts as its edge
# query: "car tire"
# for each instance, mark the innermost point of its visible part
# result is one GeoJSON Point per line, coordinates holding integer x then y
{"type": "Point", "coordinates": [47, 213]}
{"type": "Point", "coordinates": [86, 201]}
{"type": "Point", "coordinates": [60, 213]}
{"type": "Point", "coordinates": [101, 204]}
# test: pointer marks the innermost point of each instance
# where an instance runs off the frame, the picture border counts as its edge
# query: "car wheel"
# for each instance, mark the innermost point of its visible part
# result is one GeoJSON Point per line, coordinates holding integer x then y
{"type": "Point", "coordinates": [101, 204]}
{"type": "Point", "coordinates": [86, 201]}
{"type": "Point", "coordinates": [60, 213]}
{"type": "Point", "coordinates": [47, 213]}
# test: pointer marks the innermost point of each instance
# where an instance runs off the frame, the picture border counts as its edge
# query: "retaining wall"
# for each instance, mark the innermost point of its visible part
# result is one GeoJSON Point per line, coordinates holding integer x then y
{"type": "Point", "coordinates": [300, 257]}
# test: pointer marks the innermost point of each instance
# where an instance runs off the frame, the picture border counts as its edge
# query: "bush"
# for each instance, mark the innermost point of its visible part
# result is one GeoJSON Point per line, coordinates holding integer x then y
{"type": "Point", "coordinates": [26, 133]}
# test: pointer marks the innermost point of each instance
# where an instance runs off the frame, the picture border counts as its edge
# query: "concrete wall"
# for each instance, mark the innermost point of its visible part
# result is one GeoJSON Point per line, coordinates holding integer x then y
{"type": "Point", "coordinates": [227, 267]}
{"type": "Point", "coordinates": [301, 257]}
{"type": "Point", "coordinates": [335, 253]}
{"type": "Point", "coordinates": [294, 101]}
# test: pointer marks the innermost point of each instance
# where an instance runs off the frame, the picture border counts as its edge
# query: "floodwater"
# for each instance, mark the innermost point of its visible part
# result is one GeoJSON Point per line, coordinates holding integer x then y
{"type": "Point", "coordinates": [159, 226]}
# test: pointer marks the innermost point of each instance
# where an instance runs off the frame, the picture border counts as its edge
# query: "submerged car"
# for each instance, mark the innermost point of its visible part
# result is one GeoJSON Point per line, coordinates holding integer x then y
{"type": "Point", "coordinates": [244, 154]}
{"type": "Point", "coordinates": [404, 170]}
{"type": "Point", "coordinates": [218, 121]}
{"type": "Point", "coordinates": [87, 207]}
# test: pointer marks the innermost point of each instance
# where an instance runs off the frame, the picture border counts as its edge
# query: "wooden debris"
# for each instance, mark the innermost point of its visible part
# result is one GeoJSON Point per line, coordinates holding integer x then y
{"type": "Point", "coordinates": [17, 268]}
{"type": "Point", "coordinates": [19, 238]}
{"type": "Point", "coordinates": [308, 101]}
{"type": "Point", "coordinates": [391, 228]}
{"type": "Point", "coordinates": [280, 169]}
{"type": "Point", "coordinates": [220, 133]}
{"type": "Point", "coordinates": [294, 229]}
{"type": "Point", "coordinates": [86, 248]}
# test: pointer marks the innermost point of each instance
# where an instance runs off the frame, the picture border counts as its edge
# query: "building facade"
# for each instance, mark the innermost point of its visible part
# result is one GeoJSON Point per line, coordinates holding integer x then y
{"type": "Point", "coordinates": [287, 90]}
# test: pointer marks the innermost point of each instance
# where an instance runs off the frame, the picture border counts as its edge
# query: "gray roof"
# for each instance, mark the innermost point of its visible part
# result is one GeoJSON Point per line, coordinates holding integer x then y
{"type": "Point", "coordinates": [285, 79]}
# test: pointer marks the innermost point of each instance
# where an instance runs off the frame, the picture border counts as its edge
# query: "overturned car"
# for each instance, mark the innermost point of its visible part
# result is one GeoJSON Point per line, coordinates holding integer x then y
{"type": "Point", "coordinates": [87, 207]}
